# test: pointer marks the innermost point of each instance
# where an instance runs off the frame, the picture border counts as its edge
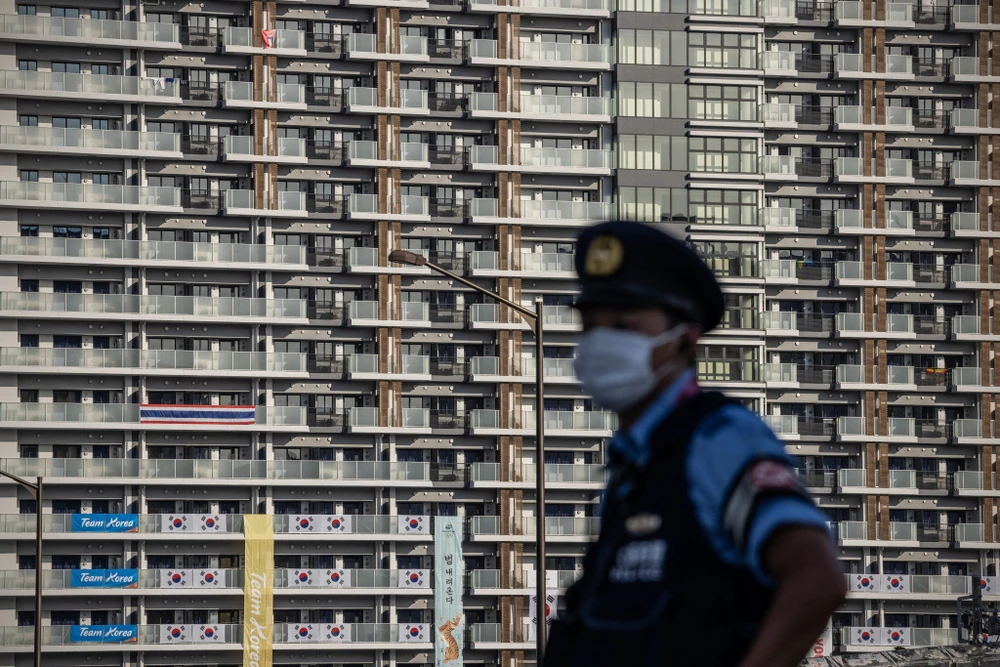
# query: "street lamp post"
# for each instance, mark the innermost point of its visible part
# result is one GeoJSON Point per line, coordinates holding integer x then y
{"type": "Point", "coordinates": [534, 320]}
{"type": "Point", "coordinates": [35, 489]}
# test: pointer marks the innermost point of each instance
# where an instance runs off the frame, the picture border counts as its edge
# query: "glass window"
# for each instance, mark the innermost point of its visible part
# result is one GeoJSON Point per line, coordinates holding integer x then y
{"type": "Point", "coordinates": [100, 69]}
{"type": "Point", "coordinates": [101, 124]}
{"type": "Point", "coordinates": [29, 285]}
{"type": "Point", "coordinates": [25, 120]}
{"type": "Point", "coordinates": [66, 177]}
{"type": "Point", "coordinates": [29, 340]}
{"type": "Point", "coordinates": [723, 155]}
{"type": "Point", "coordinates": [26, 10]}
{"type": "Point", "coordinates": [27, 65]}
{"type": "Point", "coordinates": [69, 68]}
{"type": "Point", "coordinates": [64, 122]}
{"type": "Point", "coordinates": [29, 230]}
{"type": "Point", "coordinates": [28, 175]}
{"type": "Point", "coordinates": [730, 103]}
{"type": "Point", "coordinates": [66, 12]}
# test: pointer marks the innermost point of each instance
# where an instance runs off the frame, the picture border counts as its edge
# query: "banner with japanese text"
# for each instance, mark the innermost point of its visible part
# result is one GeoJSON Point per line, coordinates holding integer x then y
{"type": "Point", "coordinates": [449, 619]}
{"type": "Point", "coordinates": [258, 601]}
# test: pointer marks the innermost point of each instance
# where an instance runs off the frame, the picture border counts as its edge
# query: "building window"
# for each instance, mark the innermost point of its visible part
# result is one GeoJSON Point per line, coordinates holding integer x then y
{"type": "Point", "coordinates": [67, 123]}
{"type": "Point", "coordinates": [29, 340]}
{"type": "Point", "coordinates": [66, 12]}
{"type": "Point", "coordinates": [64, 617]}
{"type": "Point", "coordinates": [66, 177]}
{"type": "Point", "coordinates": [29, 285]}
{"type": "Point", "coordinates": [29, 230]}
{"type": "Point", "coordinates": [729, 103]}
{"type": "Point", "coordinates": [652, 100]}
{"type": "Point", "coordinates": [66, 68]}
{"type": "Point", "coordinates": [651, 47]}
{"type": "Point", "coordinates": [100, 69]}
{"type": "Point", "coordinates": [28, 175]}
{"type": "Point", "coordinates": [101, 124]}
{"type": "Point", "coordinates": [727, 363]}
{"type": "Point", "coordinates": [25, 120]}
{"type": "Point", "coordinates": [653, 152]}
{"type": "Point", "coordinates": [67, 232]}
{"type": "Point", "coordinates": [722, 49]}
{"type": "Point", "coordinates": [722, 207]}
{"type": "Point", "coordinates": [27, 65]}
{"type": "Point", "coordinates": [26, 10]}
{"type": "Point", "coordinates": [729, 259]}
{"type": "Point", "coordinates": [28, 395]}
{"type": "Point", "coordinates": [652, 204]}
{"type": "Point", "coordinates": [723, 155]}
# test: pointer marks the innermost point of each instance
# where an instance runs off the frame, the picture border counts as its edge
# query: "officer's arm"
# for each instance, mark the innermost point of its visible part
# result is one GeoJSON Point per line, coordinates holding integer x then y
{"type": "Point", "coordinates": [809, 587]}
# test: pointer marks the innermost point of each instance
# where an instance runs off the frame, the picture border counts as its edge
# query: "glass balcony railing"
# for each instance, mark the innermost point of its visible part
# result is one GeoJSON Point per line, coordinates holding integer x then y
{"type": "Point", "coordinates": [90, 29]}
{"type": "Point", "coordinates": [43, 357]}
{"type": "Point", "coordinates": [542, 5]}
{"type": "Point", "coordinates": [969, 14]}
{"type": "Point", "coordinates": [93, 86]}
{"type": "Point", "coordinates": [965, 324]}
{"type": "Point", "coordinates": [778, 217]}
{"type": "Point", "coordinates": [54, 137]}
{"type": "Point", "coordinates": [236, 36]}
{"type": "Point", "coordinates": [777, 113]}
{"type": "Point", "coordinates": [965, 66]}
{"type": "Point", "coordinates": [197, 306]}
{"type": "Point", "coordinates": [851, 478]}
{"type": "Point", "coordinates": [782, 424]}
{"type": "Point", "coordinates": [554, 526]}
{"type": "Point", "coordinates": [967, 428]}
{"type": "Point", "coordinates": [967, 377]}
{"type": "Point", "coordinates": [564, 53]}
{"type": "Point", "coordinates": [86, 193]}
{"type": "Point", "coordinates": [777, 60]}
{"type": "Point", "coordinates": [780, 320]}
{"type": "Point", "coordinates": [368, 97]}
{"type": "Point", "coordinates": [571, 158]}
{"type": "Point", "coordinates": [162, 251]}
{"type": "Point", "coordinates": [559, 105]}
{"type": "Point", "coordinates": [546, 209]}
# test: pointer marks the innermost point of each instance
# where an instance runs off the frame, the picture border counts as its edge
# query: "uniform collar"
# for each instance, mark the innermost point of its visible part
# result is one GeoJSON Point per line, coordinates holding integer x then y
{"type": "Point", "coordinates": [633, 446]}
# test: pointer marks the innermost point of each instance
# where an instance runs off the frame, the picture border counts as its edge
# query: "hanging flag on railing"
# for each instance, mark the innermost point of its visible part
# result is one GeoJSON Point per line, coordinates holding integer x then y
{"type": "Point", "coordinates": [268, 36]}
{"type": "Point", "coordinates": [197, 414]}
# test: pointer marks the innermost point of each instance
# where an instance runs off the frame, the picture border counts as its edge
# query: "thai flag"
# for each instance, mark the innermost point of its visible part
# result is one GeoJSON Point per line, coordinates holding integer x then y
{"type": "Point", "coordinates": [196, 414]}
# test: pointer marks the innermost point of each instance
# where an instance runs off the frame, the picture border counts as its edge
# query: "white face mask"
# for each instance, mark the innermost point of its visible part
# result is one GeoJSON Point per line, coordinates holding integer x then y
{"type": "Point", "coordinates": [616, 366]}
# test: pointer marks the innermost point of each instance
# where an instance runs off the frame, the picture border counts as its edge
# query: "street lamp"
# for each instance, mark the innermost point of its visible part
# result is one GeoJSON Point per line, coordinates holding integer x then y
{"type": "Point", "coordinates": [35, 489]}
{"type": "Point", "coordinates": [534, 320]}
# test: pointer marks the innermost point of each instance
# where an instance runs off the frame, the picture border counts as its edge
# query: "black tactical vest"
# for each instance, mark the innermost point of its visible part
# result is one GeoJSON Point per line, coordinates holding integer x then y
{"type": "Point", "coordinates": [695, 610]}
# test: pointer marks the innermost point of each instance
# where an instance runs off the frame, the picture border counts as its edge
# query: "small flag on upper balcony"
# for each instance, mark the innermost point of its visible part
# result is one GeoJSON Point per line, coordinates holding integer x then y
{"type": "Point", "coordinates": [268, 36]}
{"type": "Point", "coordinates": [197, 414]}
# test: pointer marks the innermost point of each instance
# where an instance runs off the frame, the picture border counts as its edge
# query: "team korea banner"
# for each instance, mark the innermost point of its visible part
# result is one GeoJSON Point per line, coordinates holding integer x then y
{"type": "Point", "coordinates": [823, 646]}
{"type": "Point", "coordinates": [171, 578]}
{"type": "Point", "coordinates": [315, 633]}
{"type": "Point", "coordinates": [319, 523]}
{"type": "Point", "coordinates": [413, 632]}
{"type": "Point", "coordinates": [191, 634]}
{"type": "Point", "coordinates": [551, 603]}
{"type": "Point", "coordinates": [449, 615]}
{"type": "Point", "coordinates": [414, 525]}
{"type": "Point", "coordinates": [307, 578]}
{"type": "Point", "coordinates": [896, 583]}
{"type": "Point", "coordinates": [193, 523]}
{"type": "Point", "coordinates": [258, 591]}
{"type": "Point", "coordinates": [413, 579]}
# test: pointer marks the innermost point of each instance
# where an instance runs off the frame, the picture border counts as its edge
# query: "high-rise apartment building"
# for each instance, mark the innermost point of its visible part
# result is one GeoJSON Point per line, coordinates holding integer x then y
{"type": "Point", "coordinates": [199, 321]}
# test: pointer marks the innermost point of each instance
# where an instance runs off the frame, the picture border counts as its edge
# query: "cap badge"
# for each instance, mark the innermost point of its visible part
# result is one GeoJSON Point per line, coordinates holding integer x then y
{"type": "Point", "coordinates": [604, 256]}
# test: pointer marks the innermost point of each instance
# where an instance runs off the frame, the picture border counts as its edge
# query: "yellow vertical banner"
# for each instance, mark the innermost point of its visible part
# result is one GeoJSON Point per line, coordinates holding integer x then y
{"type": "Point", "coordinates": [258, 597]}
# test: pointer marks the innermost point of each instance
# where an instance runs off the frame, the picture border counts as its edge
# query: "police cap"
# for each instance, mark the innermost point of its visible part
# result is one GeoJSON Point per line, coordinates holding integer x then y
{"type": "Point", "coordinates": [628, 264]}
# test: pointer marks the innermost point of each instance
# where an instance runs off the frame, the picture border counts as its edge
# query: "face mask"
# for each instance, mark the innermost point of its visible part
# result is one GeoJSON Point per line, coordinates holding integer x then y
{"type": "Point", "coordinates": [616, 366]}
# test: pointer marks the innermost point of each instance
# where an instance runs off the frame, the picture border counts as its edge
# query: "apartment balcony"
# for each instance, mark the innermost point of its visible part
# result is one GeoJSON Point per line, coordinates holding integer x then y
{"type": "Point", "coordinates": [968, 225]}
{"type": "Point", "coordinates": [488, 369]}
{"type": "Point", "coordinates": [366, 367]}
{"type": "Point", "coordinates": [543, 212]}
{"type": "Point", "coordinates": [560, 108]}
{"type": "Point", "coordinates": [489, 582]}
{"type": "Point", "coordinates": [557, 529]}
{"type": "Point", "coordinates": [245, 203]}
{"type": "Point", "coordinates": [363, 46]}
{"type": "Point", "coordinates": [898, 326]}
{"type": "Point", "coordinates": [484, 263]}
{"type": "Point", "coordinates": [563, 8]}
{"type": "Point", "coordinates": [899, 429]}
{"type": "Point", "coordinates": [893, 119]}
{"type": "Point", "coordinates": [196, 471]}
{"type": "Point", "coordinates": [973, 17]}
{"type": "Point", "coordinates": [880, 639]}
{"type": "Point", "coordinates": [852, 66]}
{"type": "Point", "coordinates": [554, 318]}
{"type": "Point", "coordinates": [789, 220]}
{"type": "Point", "coordinates": [287, 96]}
{"type": "Point", "coordinates": [154, 362]}
{"type": "Point", "coordinates": [792, 168]}
{"type": "Point", "coordinates": [897, 274]}
{"type": "Point", "coordinates": [850, 14]}
{"type": "Point", "coordinates": [548, 55]}
{"type": "Point", "coordinates": [366, 313]}
{"type": "Point", "coordinates": [968, 69]}
{"type": "Point", "coordinates": [409, 208]}
{"type": "Point", "coordinates": [131, 416]}
{"type": "Point", "coordinates": [971, 328]}
{"type": "Point", "coordinates": [793, 376]}
{"type": "Point", "coordinates": [90, 197]}
{"type": "Point", "coordinates": [795, 272]}
{"type": "Point", "coordinates": [322, 96]}
{"type": "Point", "coordinates": [95, 87]}
{"type": "Point", "coordinates": [150, 308]}
{"type": "Point", "coordinates": [366, 101]}
{"type": "Point", "coordinates": [572, 476]}
{"type": "Point", "coordinates": [852, 221]}
{"type": "Point", "coordinates": [557, 423]}
{"type": "Point", "coordinates": [240, 40]}
{"type": "Point", "coordinates": [571, 161]}
{"type": "Point", "coordinates": [971, 121]}
{"type": "Point", "coordinates": [852, 170]}
{"type": "Point", "coordinates": [391, 4]}
{"type": "Point", "coordinates": [411, 155]}
{"type": "Point", "coordinates": [897, 378]}
{"type": "Point", "coordinates": [111, 143]}
{"type": "Point", "coordinates": [974, 173]}
{"type": "Point", "coordinates": [90, 32]}
{"type": "Point", "coordinates": [240, 149]}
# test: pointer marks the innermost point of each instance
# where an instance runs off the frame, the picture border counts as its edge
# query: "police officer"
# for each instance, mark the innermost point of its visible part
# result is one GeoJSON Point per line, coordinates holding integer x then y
{"type": "Point", "coordinates": [710, 554]}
